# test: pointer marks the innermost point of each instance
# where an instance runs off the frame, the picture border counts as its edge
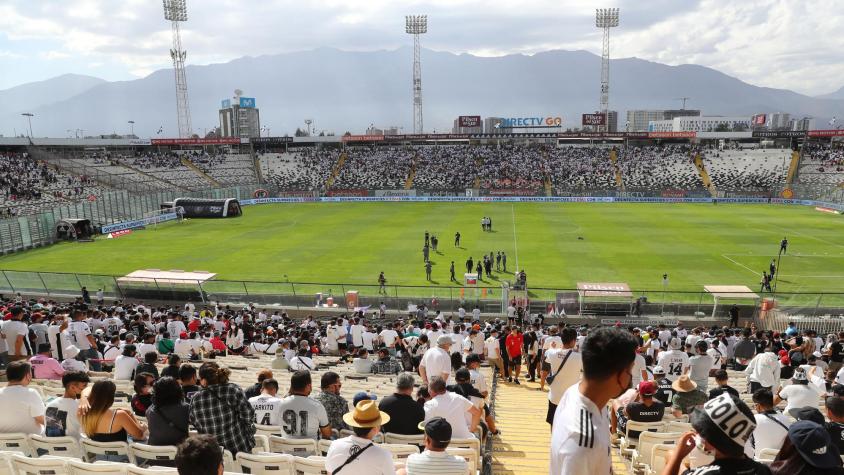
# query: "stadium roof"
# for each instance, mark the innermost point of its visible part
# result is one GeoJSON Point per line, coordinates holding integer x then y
{"type": "Point", "coordinates": [731, 292]}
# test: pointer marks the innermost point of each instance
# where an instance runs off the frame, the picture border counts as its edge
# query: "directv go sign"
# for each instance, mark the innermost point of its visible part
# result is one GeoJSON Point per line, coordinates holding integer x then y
{"type": "Point", "coordinates": [529, 123]}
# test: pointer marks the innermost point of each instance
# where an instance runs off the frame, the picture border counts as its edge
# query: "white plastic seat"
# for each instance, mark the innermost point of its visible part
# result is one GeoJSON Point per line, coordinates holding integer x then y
{"type": "Point", "coordinates": [6, 463]}
{"type": "Point", "coordinates": [135, 470]}
{"type": "Point", "coordinates": [468, 455]}
{"type": "Point", "coordinates": [91, 449]}
{"type": "Point", "coordinates": [391, 438]}
{"type": "Point", "coordinates": [267, 430]}
{"type": "Point", "coordinates": [62, 446]}
{"type": "Point", "coordinates": [677, 426]}
{"type": "Point", "coordinates": [659, 458]}
{"type": "Point", "coordinates": [228, 461]}
{"type": "Point", "coordinates": [15, 442]}
{"type": "Point", "coordinates": [262, 444]}
{"type": "Point", "coordinates": [470, 443]}
{"type": "Point", "coordinates": [628, 442]}
{"type": "Point", "coordinates": [264, 464]}
{"type": "Point", "coordinates": [78, 467]}
{"type": "Point", "coordinates": [300, 447]}
{"type": "Point", "coordinates": [46, 465]}
{"type": "Point", "coordinates": [308, 466]}
{"type": "Point", "coordinates": [400, 452]}
{"type": "Point", "coordinates": [144, 455]}
{"type": "Point", "coordinates": [647, 440]}
{"type": "Point", "coordinates": [323, 446]}
{"type": "Point", "coordinates": [767, 456]}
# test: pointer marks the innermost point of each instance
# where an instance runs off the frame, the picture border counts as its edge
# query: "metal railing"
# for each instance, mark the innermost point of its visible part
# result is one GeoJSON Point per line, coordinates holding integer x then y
{"type": "Point", "coordinates": [554, 302]}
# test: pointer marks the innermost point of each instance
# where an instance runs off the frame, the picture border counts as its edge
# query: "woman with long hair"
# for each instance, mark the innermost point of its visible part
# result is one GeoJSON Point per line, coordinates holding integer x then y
{"type": "Point", "coordinates": [102, 423]}
{"type": "Point", "coordinates": [142, 399]}
{"type": "Point", "coordinates": [234, 340]}
{"type": "Point", "coordinates": [168, 415]}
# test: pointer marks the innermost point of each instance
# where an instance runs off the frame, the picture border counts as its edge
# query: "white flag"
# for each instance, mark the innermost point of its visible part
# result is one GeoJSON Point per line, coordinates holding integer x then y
{"type": "Point", "coordinates": [833, 121]}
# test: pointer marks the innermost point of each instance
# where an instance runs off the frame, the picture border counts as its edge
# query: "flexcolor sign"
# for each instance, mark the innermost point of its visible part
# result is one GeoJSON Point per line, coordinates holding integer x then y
{"type": "Point", "coordinates": [529, 122]}
{"type": "Point", "coordinates": [594, 119]}
{"type": "Point", "coordinates": [469, 121]}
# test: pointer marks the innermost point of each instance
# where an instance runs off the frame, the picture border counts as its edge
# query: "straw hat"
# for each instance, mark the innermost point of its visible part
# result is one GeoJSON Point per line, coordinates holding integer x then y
{"type": "Point", "coordinates": [366, 414]}
{"type": "Point", "coordinates": [684, 384]}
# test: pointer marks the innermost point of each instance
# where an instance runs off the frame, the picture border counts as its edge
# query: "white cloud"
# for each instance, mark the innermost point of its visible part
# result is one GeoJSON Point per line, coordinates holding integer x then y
{"type": "Point", "coordinates": [777, 43]}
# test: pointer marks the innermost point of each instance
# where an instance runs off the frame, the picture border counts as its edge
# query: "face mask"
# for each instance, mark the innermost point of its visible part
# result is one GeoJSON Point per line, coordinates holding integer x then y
{"type": "Point", "coordinates": [701, 446]}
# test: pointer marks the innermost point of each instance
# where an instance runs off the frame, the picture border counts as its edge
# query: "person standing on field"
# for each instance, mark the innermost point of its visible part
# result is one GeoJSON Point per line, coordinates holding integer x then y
{"type": "Point", "coordinates": [457, 239]}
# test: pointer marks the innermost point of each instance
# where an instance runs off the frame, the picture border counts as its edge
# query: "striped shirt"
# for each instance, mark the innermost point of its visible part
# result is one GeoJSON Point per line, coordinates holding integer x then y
{"type": "Point", "coordinates": [580, 437]}
{"type": "Point", "coordinates": [435, 463]}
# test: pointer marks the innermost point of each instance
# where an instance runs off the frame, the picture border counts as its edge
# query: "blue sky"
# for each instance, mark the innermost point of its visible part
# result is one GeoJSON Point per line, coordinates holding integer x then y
{"type": "Point", "coordinates": [775, 43]}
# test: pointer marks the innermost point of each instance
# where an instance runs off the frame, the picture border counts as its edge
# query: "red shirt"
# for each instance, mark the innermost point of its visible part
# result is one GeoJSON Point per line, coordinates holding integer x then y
{"type": "Point", "coordinates": [514, 344]}
{"type": "Point", "coordinates": [218, 344]}
{"type": "Point", "coordinates": [194, 325]}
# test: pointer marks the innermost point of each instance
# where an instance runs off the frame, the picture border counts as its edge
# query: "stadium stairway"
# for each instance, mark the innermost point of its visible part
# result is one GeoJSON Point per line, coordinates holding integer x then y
{"type": "Point", "coordinates": [408, 184]}
{"type": "Point", "coordinates": [525, 442]}
{"type": "Point", "coordinates": [792, 169]}
{"type": "Point", "coordinates": [704, 175]}
{"type": "Point", "coordinates": [619, 182]}
{"type": "Point", "coordinates": [186, 162]}
{"type": "Point", "coordinates": [336, 170]}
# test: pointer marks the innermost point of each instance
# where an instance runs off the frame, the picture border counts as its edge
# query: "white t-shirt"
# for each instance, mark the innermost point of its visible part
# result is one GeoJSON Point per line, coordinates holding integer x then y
{"type": "Point", "coordinates": [301, 417]}
{"type": "Point", "coordinates": [70, 365]}
{"type": "Point", "coordinates": [580, 441]}
{"type": "Point", "coordinates": [79, 333]}
{"type": "Point", "coordinates": [767, 435]}
{"type": "Point", "coordinates": [112, 325]}
{"type": "Point", "coordinates": [13, 329]}
{"type": "Point", "coordinates": [145, 348]}
{"type": "Point", "coordinates": [375, 460]}
{"type": "Point", "coordinates": [182, 348]}
{"type": "Point", "coordinates": [267, 409]}
{"type": "Point", "coordinates": [357, 335]}
{"type": "Point", "coordinates": [362, 365]}
{"type": "Point", "coordinates": [436, 362]}
{"type": "Point", "coordinates": [674, 362]}
{"type": "Point", "coordinates": [435, 463]}
{"type": "Point", "coordinates": [124, 367]}
{"type": "Point", "coordinates": [175, 328]}
{"type": "Point", "coordinates": [299, 363]}
{"type": "Point", "coordinates": [18, 408]}
{"type": "Point", "coordinates": [389, 337]}
{"type": "Point", "coordinates": [699, 372]}
{"type": "Point", "coordinates": [800, 395]}
{"type": "Point", "coordinates": [458, 342]}
{"type": "Point", "coordinates": [368, 337]}
{"type": "Point", "coordinates": [478, 380]}
{"type": "Point", "coordinates": [493, 348]}
{"type": "Point", "coordinates": [53, 333]}
{"type": "Point", "coordinates": [453, 408]}
{"type": "Point", "coordinates": [569, 375]}
{"type": "Point", "coordinates": [552, 342]}
{"type": "Point", "coordinates": [61, 418]}
{"type": "Point", "coordinates": [639, 365]}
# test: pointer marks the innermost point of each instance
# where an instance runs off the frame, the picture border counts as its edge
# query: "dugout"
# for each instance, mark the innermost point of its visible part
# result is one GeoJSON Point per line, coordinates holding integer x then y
{"type": "Point", "coordinates": [206, 208]}
{"type": "Point", "coordinates": [731, 293]}
{"type": "Point", "coordinates": [604, 298]}
{"type": "Point", "coordinates": [71, 229]}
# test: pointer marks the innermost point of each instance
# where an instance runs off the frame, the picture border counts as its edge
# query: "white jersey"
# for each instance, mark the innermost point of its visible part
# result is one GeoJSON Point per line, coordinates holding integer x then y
{"type": "Point", "coordinates": [79, 333]}
{"type": "Point", "coordinates": [302, 417]}
{"type": "Point", "coordinates": [267, 409]}
{"type": "Point", "coordinates": [112, 325]}
{"type": "Point", "coordinates": [674, 362]}
{"type": "Point", "coordinates": [580, 441]}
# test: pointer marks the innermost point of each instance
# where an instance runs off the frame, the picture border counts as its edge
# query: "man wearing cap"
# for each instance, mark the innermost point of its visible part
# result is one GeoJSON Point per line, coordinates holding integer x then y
{"type": "Point", "coordinates": [580, 441]}
{"type": "Point", "coordinates": [664, 391]}
{"type": "Point", "coordinates": [357, 454]}
{"type": "Point", "coordinates": [799, 394]}
{"type": "Point", "coordinates": [644, 409]}
{"type": "Point", "coordinates": [453, 408]}
{"type": "Point", "coordinates": [687, 396]}
{"type": "Point", "coordinates": [434, 459]}
{"type": "Point", "coordinates": [437, 360]}
{"type": "Point", "coordinates": [675, 361]}
{"type": "Point", "coordinates": [385, 364]}
{"type": "Point", "coordinates": [808, 450]}
{"type": "Point", "coordinates": [721, 430]}
{"type": "Point", "coordinates": [335, 404]}
{"type": "Point", "coordinates": [44, 366]}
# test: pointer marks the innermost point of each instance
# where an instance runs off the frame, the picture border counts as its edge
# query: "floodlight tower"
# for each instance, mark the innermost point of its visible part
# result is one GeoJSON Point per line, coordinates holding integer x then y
{"type": "Point", "coordinates": [176, 11]}
{"type": "Point", "coordinates": [606, 18]}
{"type": "Point", "coordinates": [416, 25]}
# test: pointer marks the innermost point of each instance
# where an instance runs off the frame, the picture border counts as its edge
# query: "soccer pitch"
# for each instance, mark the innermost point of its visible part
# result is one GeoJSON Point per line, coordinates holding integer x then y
{"type": "Point", "coordinates": [558, 244]}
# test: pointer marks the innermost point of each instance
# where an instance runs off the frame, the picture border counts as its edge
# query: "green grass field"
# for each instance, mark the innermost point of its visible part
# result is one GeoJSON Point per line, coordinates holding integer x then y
{"type": "Point", "coordinates": [696, 244]}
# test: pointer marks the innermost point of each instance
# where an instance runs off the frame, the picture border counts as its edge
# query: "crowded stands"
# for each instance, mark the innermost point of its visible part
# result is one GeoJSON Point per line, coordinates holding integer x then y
{"type": "Point", "coordinates": [139, 386]}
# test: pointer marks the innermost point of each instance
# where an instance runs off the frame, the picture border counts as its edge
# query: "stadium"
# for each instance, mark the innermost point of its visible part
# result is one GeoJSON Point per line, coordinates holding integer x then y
{"type": "Point", "coordinates": [682, 261]}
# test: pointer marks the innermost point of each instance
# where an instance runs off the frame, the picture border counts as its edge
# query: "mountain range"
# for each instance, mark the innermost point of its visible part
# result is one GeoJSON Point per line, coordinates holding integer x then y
{"type": "Point", "coordinates": [347, 91]}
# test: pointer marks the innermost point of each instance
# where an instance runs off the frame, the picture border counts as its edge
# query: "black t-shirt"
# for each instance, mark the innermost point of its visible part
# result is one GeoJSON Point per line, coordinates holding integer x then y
{"type": "Point", "coordinates": [190, 390]}
{"type": "Point", "coordinates": [836, 352]}
{"type": "Point", "coordinates": [742, 466]}
{"type": "Point", "coordinates": [639, 412]}
{"type": "Point", "coordinates": [405, 414]}
{"type": "Point", "coordinates": [760, 346]}
{"type": "Point", "coordinates": [713, 393]}
{"type": "Point", "coordinates": [836, 432]}
{"type": "Point", "coordinates": [664, 391]}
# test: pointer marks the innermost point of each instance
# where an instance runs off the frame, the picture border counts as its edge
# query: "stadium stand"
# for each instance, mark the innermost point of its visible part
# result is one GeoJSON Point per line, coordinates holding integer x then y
{"type": "Point", "coordinates": [444, 168]}
{"type": "Point", "coordinates": [227, 169]}
{"type": "Point", "coordinates": [656, 168]}
{"type": "Point", "coordinates": [374, 168]}
{"type": "Point", "coordinates": [747, 170]}
{"type": "Point", "coordinates": [822, 165]}
{"type": "Point", "coordinates": [581, 168]}
{"type": "Point", "coordinates": [307, 169]}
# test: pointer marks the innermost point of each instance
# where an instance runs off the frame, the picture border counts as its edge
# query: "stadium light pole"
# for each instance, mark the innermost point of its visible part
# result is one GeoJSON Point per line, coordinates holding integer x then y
{"type": "Point", "coordinates": [176, 11]}
{"type": "Point", "coordinates": [416, 25]}
{"type": "Point", "coordinates": [131, 127]}
{"type": "Point", "coordinates": [605, 18]}
{"type": "Point", "coordinates": [29, 116]}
